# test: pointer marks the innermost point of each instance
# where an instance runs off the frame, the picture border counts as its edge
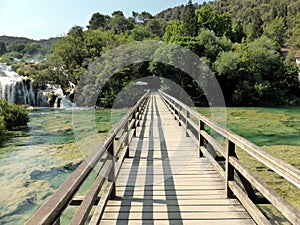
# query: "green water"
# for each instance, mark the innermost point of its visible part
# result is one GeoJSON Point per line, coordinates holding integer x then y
{"type": "Point", "coordinates": [35, 162]}
{"type": "Point", "coordinates": [264, 126]}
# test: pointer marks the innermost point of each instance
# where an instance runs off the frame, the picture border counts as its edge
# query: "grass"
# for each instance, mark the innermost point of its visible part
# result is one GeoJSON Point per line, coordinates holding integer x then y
{"type": "Point", "coordinates": [277, 131]}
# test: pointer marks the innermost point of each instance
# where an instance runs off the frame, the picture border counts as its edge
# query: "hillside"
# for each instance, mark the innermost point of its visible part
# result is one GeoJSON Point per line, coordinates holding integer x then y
{"type": "Point", "coordinates": [21, 47]}
{"type": "Point", "coordinates": [279, 19]}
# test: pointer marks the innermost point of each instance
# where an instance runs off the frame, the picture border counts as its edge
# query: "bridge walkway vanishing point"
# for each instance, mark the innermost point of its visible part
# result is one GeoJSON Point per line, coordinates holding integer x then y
{"type": "Point", "coordinates": [163, 164]}
{"type": "Point", "coordinates": [164, 180]}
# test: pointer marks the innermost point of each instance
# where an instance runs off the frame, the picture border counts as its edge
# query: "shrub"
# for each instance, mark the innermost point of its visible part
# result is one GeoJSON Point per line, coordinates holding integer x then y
{"type": "Point", "coordinates": [14, 115]}
{"type": "Point", "coordinates": [2, 128]}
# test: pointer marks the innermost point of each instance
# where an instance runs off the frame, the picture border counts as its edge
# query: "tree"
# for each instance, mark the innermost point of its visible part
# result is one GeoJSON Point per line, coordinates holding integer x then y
{"type": "Point", "coordinates": [3, 49]}
{"type": "Point", "coordinates": [189, 21]}
{"type": "Point", "coordinates": [212, 20]}
{"type": "Point", "coordinates": [119, 24]}
{"type": "Point", "coordinates": [238, 32]}
{"type": "Point", "coordinates": [173, 30]}
{"type": "Point", "coordinates": [141, 33]}
{"type": "Point", "coordinates": [276, 30]}
{"type": "Point", "coordinates": [227, 66]}
{"type": "Point", "coordinates": [157, 26]}
{"type": "Point", "coordinates": [256, 29]}
{"type": "Point", "coordinates": [142, 18]}
{"type": "Point", "coordinates": [68, 57]}
{"type": "Point", "coordinates": [98, 20]}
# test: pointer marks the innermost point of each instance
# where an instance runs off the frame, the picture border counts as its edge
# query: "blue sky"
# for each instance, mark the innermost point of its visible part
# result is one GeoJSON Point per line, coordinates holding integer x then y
{"type": "Point", "coordinates": [42, 19]}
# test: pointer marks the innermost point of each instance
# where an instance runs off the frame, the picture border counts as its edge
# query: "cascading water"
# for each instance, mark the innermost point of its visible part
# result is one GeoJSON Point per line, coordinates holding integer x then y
{"type": "Point", "coordinates": [19, 89]}
{"type": "Point", "coordinates": [15, 88]}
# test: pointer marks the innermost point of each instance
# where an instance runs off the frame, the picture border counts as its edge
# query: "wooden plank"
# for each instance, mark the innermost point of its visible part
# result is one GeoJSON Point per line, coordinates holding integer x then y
{"type": "Point", "coordinates": [166, 208]}
{"type": "Point", "coordinates": [254, 212]}
{"type": "Point", "coordinates": [101, 205]}
{"type": "Point", "coordinates": [282, 205]}
{"type": "Point", "coordinates": [176, 215]}
{"type": "Point", "coordinates": [85, 207]}
{"type": "Point", "coordinates": [189, 202]}
{"type": "Point", "coordinates": [184, 222]}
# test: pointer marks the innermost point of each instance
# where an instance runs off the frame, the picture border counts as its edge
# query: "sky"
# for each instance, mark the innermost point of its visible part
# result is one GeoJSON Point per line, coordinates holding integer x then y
{"type": "Point", "coordinates": [42, 19]}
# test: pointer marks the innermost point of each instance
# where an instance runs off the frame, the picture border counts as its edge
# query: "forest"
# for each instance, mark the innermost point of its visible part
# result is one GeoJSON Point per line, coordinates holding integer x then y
{"type": "Point", "coordinates": [241, 41]}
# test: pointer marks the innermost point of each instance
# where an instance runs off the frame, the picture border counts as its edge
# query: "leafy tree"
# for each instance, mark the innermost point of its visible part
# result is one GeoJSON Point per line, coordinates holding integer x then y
{"type": "Point", "coordinates": [189, 21]}
{"type": "Point", "coordinates": [212, 20]}
{"type": "Point", "coordinates": [68, 56]}
{"type": "Point", "coordinates": [173, 30]}
{"type": "Point", "coordinates": [119, 24]}
{"type": "Point", "coordinates": [32, 49]}
{"type": "Point", "coordinates": [238, 32]}
{"type": "Point", "coordinates": [157, 26]}
{"type": "Point", "coordinates": [141, 33]}
{"type": "Point", "coordinates": [276, 30]}
{"type": "Point", "coordinates": [255, 27]}
{"type": "Point", "coordinates": [99, 20]}
{"type": "Point", "coordinates": [142, 18]}
{"type": "Point", "coordinates": [2, 48]}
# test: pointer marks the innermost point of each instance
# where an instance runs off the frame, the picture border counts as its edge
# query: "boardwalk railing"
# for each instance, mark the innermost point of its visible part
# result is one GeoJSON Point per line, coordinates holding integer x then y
{"type": "Point", "coordinates": [106, 160]}
{"type": "Point", "coordinates": [241, 188]}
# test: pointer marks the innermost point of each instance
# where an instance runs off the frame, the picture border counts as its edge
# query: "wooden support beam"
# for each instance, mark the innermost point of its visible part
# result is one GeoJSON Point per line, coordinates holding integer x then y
{"type": "Point", "coordinates": [230, 151]}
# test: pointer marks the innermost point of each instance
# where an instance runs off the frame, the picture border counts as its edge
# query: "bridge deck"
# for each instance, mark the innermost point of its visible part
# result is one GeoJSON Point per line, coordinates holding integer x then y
{"type": "Point", "coordinates": [165, 182]}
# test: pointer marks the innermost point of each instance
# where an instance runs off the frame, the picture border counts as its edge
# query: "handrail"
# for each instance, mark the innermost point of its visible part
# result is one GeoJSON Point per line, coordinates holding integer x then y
{"type": "Point", "coordinates": [50, 212]}
{"type": "Point", "coordinates": [280, 167]}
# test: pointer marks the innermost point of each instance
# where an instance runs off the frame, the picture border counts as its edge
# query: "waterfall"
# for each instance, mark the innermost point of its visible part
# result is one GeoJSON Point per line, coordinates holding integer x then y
{"type": "Point", "coordinates": [18, 89]}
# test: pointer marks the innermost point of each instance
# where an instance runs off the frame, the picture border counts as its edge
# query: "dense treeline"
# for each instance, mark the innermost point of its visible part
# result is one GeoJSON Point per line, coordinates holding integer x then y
{"type": "Point", "coordinates": [24, 48]}
{"type": "Point", "coordinates": [244, 52]}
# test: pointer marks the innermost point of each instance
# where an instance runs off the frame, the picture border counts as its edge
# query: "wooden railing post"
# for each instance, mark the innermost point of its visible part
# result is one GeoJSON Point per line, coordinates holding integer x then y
{"type": "Point", "coordinates": [230, 151]}
{"type": "Point", "coordinates": [188, 115]}
{"type": "Point", "coordinates": [134, 124]}
{"type": "Point", "coordinates": [201, 138]}
{"type": "Point", "coordinates": [126, 142]}
{"type": "Point", "coordinates": [111, 175]}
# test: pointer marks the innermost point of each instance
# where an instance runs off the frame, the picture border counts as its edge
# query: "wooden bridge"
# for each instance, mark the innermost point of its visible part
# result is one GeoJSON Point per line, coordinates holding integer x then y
{"type": "Point", "coordinates": [161, 165]}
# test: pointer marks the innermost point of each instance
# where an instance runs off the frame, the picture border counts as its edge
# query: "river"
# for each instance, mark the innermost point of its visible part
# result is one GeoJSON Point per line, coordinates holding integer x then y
{"type": "Point", "coordinates": [35, 162]}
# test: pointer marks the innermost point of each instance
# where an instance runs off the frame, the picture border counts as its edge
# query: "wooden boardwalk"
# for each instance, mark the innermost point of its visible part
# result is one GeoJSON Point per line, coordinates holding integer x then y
{"type": "Point", "coordinates": [151, 170]}
{"type": "Point", "coordinates": [165, 182]}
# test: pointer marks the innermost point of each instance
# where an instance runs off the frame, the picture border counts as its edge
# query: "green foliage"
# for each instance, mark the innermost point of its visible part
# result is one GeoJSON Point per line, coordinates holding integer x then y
{"type": "Point", "coordinates": [3, 130]}
{"type": "Point", "coordinates": [255, 74]}
{"type": "Point", "coordinates": [189, 26]}
{"type": "Point", "coordinates": [255, 28]}
{"type": "Point", "coordinates": [141, 33]}
{"type": "Point", "coordinates": [99, 20]}
{"type": "Point", "coordinates": [251, 71]}
{"type": "Point", "coordinates": [24, 48]}
{"type": "Point", "coordinates": [263, 17]}
{"type": "Point", "coordinates": [119, 24]}
{"type": "Point", "coordinates": [173, 31]}
{"type": "Point", "coordinates": [15, 116]}
{"type": "Point", "coordinates": [2, 48]}
{"type": "Point", "coordinates": [212, 20]}
{"type": "Point", "coordinates": [157, 26]}
{"type": "Point", "coordinates": [275, 30]}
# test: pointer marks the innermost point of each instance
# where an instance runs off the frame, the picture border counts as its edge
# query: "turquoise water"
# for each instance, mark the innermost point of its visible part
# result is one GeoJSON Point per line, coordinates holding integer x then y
{"type": "Point", "coordinates": [34, 163]}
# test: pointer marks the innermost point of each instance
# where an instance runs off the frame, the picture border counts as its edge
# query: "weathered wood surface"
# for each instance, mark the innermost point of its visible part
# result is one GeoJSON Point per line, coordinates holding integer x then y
{"type": "Point", "coordinates": [165, 182]}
